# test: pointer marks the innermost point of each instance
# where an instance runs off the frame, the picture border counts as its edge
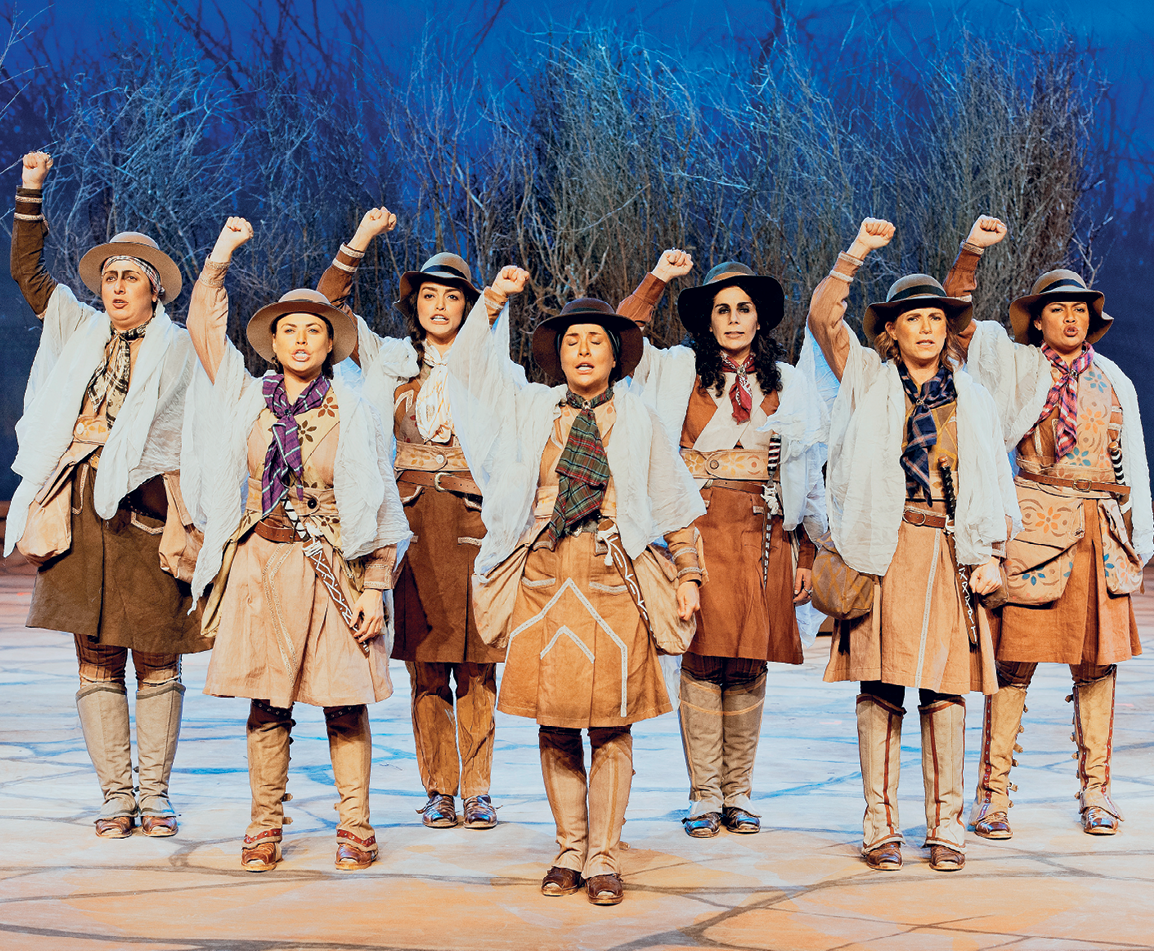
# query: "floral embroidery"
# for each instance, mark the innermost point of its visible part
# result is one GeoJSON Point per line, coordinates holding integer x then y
{"type": "Point", "coordinates": [306, 430]}
{"type": "Point", "coordinates": [329, 406]}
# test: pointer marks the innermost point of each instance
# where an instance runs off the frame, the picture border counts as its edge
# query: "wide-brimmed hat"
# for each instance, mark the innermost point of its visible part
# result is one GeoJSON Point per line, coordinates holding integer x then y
{"type": "Point", "coordinates": [303, 300]}
{"type": "Point", "coordinates": [441, 268]}
{"type": "Point", "coordinates": [136, 245]}
{"type": "Point", "coordinates": [911, 292]}
{"type": "Point", "coordinates": [695, 304]}
{"type": "Point", "coordinates": [1057, 285]}
{"type": "Point", "coordinates": [586, 310]}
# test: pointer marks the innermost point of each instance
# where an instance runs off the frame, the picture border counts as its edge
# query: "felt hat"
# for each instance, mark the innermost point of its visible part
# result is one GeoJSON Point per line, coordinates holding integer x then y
{"type": "Point", "coordinates": [136, 245]}
{"type": "Point", "coordinates": [303, 300]}
{"type": "Point", "coordinates": [441, 268]}
{"type": "Point", "coordinates": [695, 304]}
{"type": "Point", "coordinates": [910, 293]}
{"type": "Point", "coordinates": [1059, 285]}
{"type": "Point", "coordinates": [586, 310]}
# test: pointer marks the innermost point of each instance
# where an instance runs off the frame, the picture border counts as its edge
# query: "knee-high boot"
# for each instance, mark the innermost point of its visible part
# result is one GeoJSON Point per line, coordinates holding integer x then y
{"type": "Point", "coordinates": [610, 780]}
{"type": "Point", "coordinates": [158, 712]}
{"type": "Point", "coordinates": [563, 770]}
{"type": "Point", "coordinates": [702, 738]}
{"type": "Point", "coordinates": [351, 752]}
{"type": "Point", "coordinates": [269, 734]}
{"type": "Point", "coordinates": [1001, 724]}
{"type": "Point", "coordinates": [103, 709]}
{"type": "Point", "coordinates": [943, 761]}
{"type": "Point", "coordinates": [1094, 735]}
{"type": "Point", "coordinates": [879, 741]}
{"type": "Point", "coordinates": [742, 705]}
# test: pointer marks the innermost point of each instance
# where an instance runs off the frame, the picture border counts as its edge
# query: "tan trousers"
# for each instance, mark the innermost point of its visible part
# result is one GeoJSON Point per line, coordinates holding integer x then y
{"type": "Point", "coordinates": [589, 812]}
{"type": "Point", "coordinates": [454, 753]}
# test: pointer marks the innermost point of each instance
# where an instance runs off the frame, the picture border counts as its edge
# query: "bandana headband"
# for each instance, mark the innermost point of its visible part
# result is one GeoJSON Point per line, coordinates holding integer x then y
{"type": "Point", "coordinates": [149, 271]}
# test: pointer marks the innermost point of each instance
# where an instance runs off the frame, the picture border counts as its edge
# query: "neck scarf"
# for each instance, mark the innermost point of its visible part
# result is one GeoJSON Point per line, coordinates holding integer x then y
{"type": "Point", "coordinates": [149, 271]}
{"type": "Point", "coordinates": [283, 458]}
{"type": "Point", "coordinates": [1064, 395]}
{"type": "Point", "coordinates": [740, 395]}
{"type": "Point", "coordinates": [582, 470]}
{"type": "Point", "coordinates": [434, 416]}
{"type": "Point", "coordinates": [921, 430]}
{"type": "Point", "coordinates": [111, 377]}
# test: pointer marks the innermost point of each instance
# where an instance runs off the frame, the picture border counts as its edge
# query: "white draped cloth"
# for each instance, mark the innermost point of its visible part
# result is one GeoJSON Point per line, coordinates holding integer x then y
{"type": "Point", "coordinates": [145, 439]}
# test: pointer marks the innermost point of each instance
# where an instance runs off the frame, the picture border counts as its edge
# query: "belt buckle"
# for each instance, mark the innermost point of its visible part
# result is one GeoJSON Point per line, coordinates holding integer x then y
{"type": "Point", "coordinates": [1082, 485]}
{"type": "Point", "coordinates": [437, 482]}
{"type": "Point", "coordinates": [911, 515]}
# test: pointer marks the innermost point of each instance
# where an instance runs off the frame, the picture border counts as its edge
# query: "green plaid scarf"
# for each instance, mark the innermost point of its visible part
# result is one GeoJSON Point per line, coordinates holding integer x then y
{"type": "Point", "coordinates": [582, 470]}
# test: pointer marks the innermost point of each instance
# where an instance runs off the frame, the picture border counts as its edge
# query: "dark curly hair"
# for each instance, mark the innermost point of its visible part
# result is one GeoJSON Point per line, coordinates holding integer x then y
{"type": "Point", "coordinates": [765, 350]}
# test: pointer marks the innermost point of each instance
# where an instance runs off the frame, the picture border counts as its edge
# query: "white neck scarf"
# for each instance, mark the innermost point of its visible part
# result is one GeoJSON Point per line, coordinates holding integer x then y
{"type": "Point", "coordinates": [434, 415]}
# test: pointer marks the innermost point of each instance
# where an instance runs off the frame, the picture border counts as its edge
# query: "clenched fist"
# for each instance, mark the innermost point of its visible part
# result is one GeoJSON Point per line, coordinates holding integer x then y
{"type": "Point", "coordinates": [236, 231]}
{"type": "Point", "coordinates": [673, 263]}
{"type": "Point", "coordinates": [35, 169]}
{"type": "Point", "coordinates": [987, 232]}
{"type": "Point", "coordinates": [510, 280]}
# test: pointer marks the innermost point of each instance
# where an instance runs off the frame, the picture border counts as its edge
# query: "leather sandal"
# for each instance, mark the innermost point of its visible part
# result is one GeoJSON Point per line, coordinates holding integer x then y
{"type": "Point", "coordinates": [1097, 821]}
{"type": "Point", "coordinates": [945, 859]}
{"type": "Point", "coordinates": [159, 825]}
{"type": "Point", "coordinates": [887, 857]}
{"type": "Point", "coordinates": [439, 812]}
{"type": "Point", "coordinates": [479, 812]}
{"type": "Point", "coordinates": [118, 827]}
{"type": "Point", "coordinates": [262, 857]}
{"type": "Point", "coordinates": [996, 825]}
{"type": "Point", "coordinates": [605, 889]}
{"type": "Point", "coordinates": [560, 881]}
{"type": "Point", "coordinates": [705, 826]}
{"type": "Point", "coordinates": [738, 820]}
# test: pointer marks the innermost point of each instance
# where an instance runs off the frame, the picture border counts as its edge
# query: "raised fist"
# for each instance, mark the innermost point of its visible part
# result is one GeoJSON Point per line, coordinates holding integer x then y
{"type": "Point", "coordinates": [236, 231]}
{"type": "Point", "coordinates": [875, 233]}
{"type": "Point", "coordinates": [511, 280]}
{"type": "Point", "coordinates": [673, 263]}
{"type": "Point", "coordinates": [376, 221]}
{"type": "Point", "coordinates": [35, 169]}
{"type": "Point", "coordinates": [987, 231]}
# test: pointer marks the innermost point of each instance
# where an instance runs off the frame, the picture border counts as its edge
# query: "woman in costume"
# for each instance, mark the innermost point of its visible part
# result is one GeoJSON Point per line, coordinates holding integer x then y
{"type": "Point", "coordinates": [758, 486]}
{"type": "Point", "coordinates": [918, 488]}
{"type": "Point", "coordinates": [98, 503]}
{"type": "Point", "coordinates": [436, 630]}
{"type": "Point", "coordinates": [577, 479]}
{"type": "Point", "coordinates": [300, 564]}
{"type": "Point", "coordinates": [1083, 485]}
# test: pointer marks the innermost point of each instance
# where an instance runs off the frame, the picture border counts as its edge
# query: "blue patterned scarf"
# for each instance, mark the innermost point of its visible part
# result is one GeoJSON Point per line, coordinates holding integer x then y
{"type": "Point", "coordinates": [283, 458]}
{"type": "Point", "coordinates": [921, 430]}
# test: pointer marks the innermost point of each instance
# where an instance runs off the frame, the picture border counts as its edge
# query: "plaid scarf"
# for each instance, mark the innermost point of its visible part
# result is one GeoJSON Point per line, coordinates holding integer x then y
{"type": "Point", "coordinates": [582, 470]}
{"type": "Point", "coordinates": [1064, 395]}
{"type": "Point", "coordinates": [111, 378]}
{"type": "Point", "coordinates": [921, 430]}
{"type": "Point", "coordinates": [740, 395]}
{"type": "Point", "coordinates": [283, 459]}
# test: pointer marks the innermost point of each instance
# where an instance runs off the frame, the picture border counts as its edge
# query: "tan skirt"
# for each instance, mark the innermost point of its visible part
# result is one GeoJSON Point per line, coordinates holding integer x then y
{"type": "Point", "coordinates": [915, 636]}
{"type": "Point", "coordinates": [578, 653]}
{"type": "Point", "coordinates": [279, 636]}
{"type": "Point", "coordinates": [740, 616]}
{"type": "Point", "coordinates": [1086, 625]}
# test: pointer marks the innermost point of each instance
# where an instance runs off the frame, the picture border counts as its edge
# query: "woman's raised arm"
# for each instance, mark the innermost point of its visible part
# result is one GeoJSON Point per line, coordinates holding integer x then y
{"type": "Point", "coordinates": [208, 308]}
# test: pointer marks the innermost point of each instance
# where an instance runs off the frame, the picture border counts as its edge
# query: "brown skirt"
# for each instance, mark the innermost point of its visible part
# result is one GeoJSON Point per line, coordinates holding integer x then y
{"type": "Point", "coordinates": [1086, 625]}
{"type": "Point", "coordinates": [740, 616]}
{"type": "Point", "coordinates": [578, 653]}
{"type": "Point", "coordinates": [432, 601]}
{"type": "Point", "coordinates": [109, 586]}
{"type": "Point", "coordinates": [915, 636]}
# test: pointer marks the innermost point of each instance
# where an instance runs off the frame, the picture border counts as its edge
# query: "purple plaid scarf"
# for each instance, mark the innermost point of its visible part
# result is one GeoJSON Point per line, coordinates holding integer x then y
{"type": "Point", "coordinates": [1064, 395]}
{"type": "Point", "coordinates": [283, 459]}
{"type": "Point", "coordinates": [582, 470]}
{"type": "Point", "coordinates": [921, 430]}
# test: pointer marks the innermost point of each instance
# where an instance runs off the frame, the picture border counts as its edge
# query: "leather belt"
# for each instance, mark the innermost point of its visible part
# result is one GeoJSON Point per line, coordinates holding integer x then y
{"type": "Point", "coordinates": [1080, 485]}
{"type": "Point", "coordinates": [441, 481]}
{"type": "Point", "coordinates": [922, 517]}
{"type": "Point", "coordinates": [741, 485]}
{"type": "Point", "coordinates": [274, 533]}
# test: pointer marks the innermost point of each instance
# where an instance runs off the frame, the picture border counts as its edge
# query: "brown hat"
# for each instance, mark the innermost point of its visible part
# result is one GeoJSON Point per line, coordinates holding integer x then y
{"type": "Point", "coordinates": [909, 293]}
{"type": "Point", "coordinates": [136, 245]}
{"type": "Point", "coordinates": [1059, 285]}
{"type": "Point", "coordinates": [586, 310]}
{"type": "Point", "coordinates": [441, 268]}
{"type": "Point", "coordinates": [303, 300]}
{"type": "Point", "coordinates": [695, 304]}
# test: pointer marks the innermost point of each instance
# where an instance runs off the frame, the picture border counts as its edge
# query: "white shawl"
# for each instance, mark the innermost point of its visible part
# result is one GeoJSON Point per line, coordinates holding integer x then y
{"type": "Point", "coordinates": [145, 440]}
{"type": "Point", "coordinates": [503, 424]}
{"type": "Point", "coordinates": [214, 465]}
{"type": "Point", "coordinates": [1019, 378]}
{"type": "Point", "coordinates": [866, 486]}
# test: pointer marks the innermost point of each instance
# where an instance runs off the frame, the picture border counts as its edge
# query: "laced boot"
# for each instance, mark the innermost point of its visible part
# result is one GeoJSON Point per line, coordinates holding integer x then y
{"type": "Point", "coordinates": [1001, 724]}
{"type": "Point", "coordinates": [1094, 736]}
{"type": "Point", "coordinates": [103, 709]}
{"type": "Point", "coordinates": [269, 734]}
{"type": "Point", "coordinates": [351, 751]}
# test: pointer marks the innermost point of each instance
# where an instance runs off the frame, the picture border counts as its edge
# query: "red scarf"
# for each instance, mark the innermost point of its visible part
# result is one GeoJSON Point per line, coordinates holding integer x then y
{"type": "Point", "coordinates": [740, 395]}
{"type": "Point", "coordinates": [1064, 395]}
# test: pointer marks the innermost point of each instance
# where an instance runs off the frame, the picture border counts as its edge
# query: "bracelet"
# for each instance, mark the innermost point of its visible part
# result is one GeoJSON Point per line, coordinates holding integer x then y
{"type": "Point", "coordinates": [841, 277]}
{"type": "Point", "coordinates": [36, 199]}
{"type": "Point", "coordinates": [376, 586]}
{"type": "Point", "coordinates": [345, 249]}
{"type": "Point", "coordinates": [213, 273]}
{"type": "Point", "coordinates": [849, 257]}
{"type": "Point", "coordinates": [19, 217]}
{"type": "Point", "coordinates": [973, 248]}
{"type": "Point", "coordinates": [347, 268]}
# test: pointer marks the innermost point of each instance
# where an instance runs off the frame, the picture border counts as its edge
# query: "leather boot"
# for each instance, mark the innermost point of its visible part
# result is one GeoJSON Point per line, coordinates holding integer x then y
{"type": "Point", "coordinates": [563, 770]}
{"type": "Point", "coordinates": [1094, 735]}
{"type": "Point", "coordinates": [351, 751]}
{"type": "Point", "coordinates": [269, 734]}
{"type": "Point", "coordinates": [1001, 724]}
{"type": "Point", "coordinates": [610, 780]}
{"type": "Point", "coordinates": [943, 766]}
{"type": "Point", "coordinates": [702, 737]}
{"type": "Point", "coordinates": [742, 705]}
{"type": "Point", "coordinates": [158, 710]}
{"type": "Point", "coordinates": [103, 709]}
{"type": "Point", "coordinates": [879, 742]}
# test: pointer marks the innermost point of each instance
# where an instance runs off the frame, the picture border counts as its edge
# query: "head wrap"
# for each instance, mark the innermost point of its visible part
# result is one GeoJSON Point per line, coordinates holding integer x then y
{"type": "Point", "coordinates": [582, 470]}
{"type": "Point", "coordinates": [283, 458]}
{"type": "Point", "coordinates": [1064, 395]}
{"type": "Point", "coordinates": [921, 429]}
{"type": "Point", "coordinates": [149, 271]}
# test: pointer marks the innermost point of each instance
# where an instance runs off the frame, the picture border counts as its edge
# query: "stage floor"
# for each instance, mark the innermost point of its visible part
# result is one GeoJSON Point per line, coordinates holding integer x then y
{"type": "Point", "coordinates": [800, 884]}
